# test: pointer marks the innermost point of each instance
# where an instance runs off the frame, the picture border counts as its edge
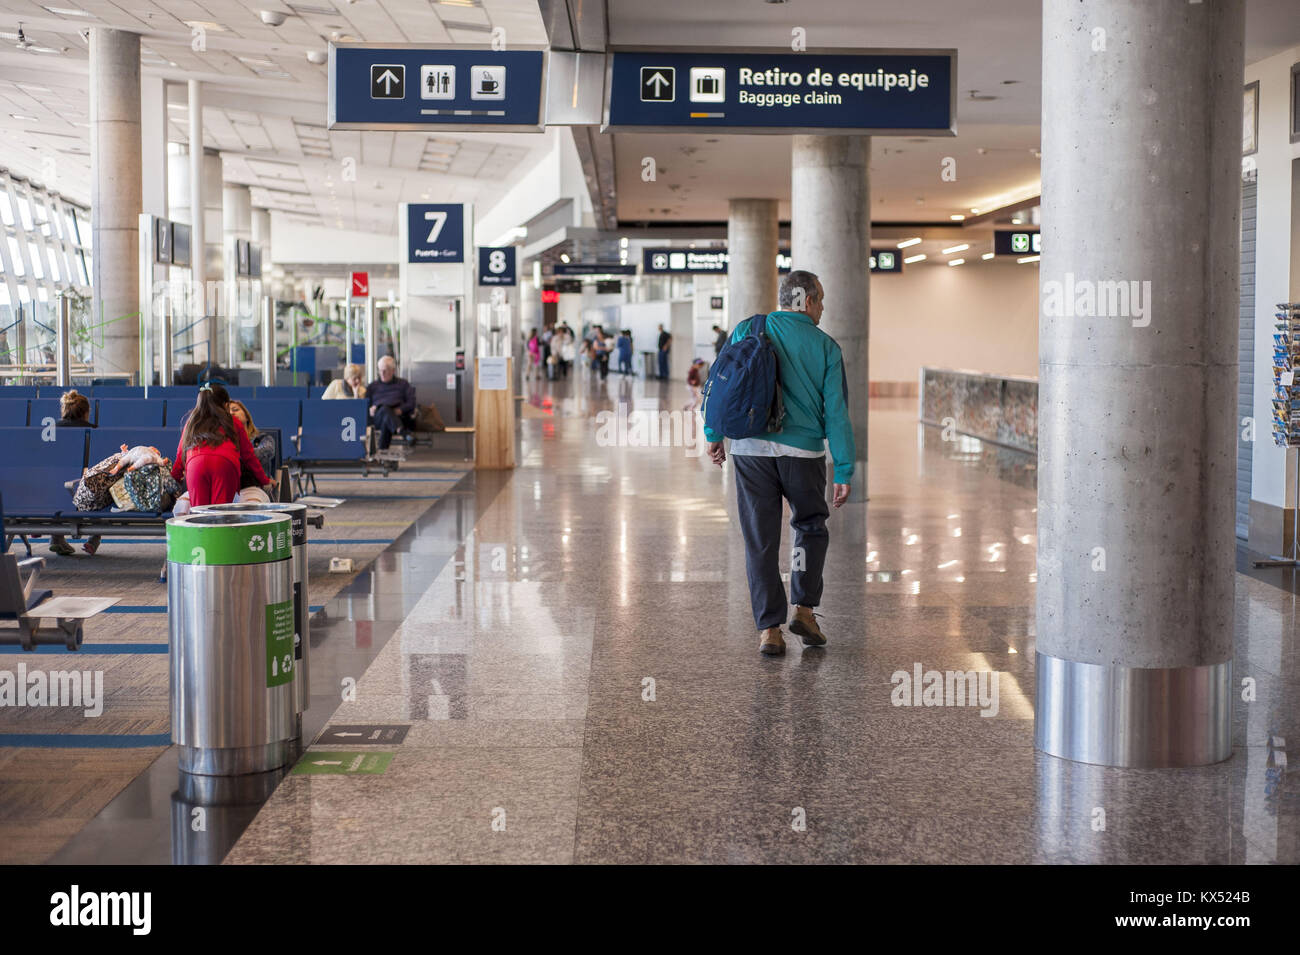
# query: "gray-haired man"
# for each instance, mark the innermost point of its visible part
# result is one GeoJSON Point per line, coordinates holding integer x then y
{"type": "Point", "coordinates": [791, 465]}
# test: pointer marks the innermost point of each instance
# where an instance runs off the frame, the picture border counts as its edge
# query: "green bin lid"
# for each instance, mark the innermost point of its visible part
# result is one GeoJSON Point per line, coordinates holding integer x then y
{"type": "Point", "coordinates": [229, 538]}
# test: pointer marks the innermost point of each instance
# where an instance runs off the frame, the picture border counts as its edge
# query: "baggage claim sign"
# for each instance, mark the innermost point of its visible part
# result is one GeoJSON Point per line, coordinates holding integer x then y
{"type": "Point", "coordinates": [872, 92]}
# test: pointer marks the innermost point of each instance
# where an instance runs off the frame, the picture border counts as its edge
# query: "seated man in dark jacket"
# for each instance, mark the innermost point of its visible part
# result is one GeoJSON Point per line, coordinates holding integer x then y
{"type": "Point", "coordinates": [392, 403]}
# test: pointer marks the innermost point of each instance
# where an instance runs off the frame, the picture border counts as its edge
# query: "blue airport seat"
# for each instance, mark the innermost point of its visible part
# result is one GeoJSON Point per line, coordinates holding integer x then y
{"type": "Point", "coordinates": [43, 408]}
{"type": "Point", "coordinates": [13, 413]}
{"type": "Point", "coordinates": [242, 392]}
{"type": "Point", "coordinates": [173, 391]}
{"type": "Point", "coordinates": [283, 392]}
{"type": "Point", "coordinates": [333, 430]}
{"type": "Point", "coordinates": [130, 412]}
{"type": "Point", "coordinates": [33, 471]}
{"type": "Point", "coordinates": [17, 391]}
{"type": "Point", "coordinates": [106, 441]}
{"type": "Point", "coordinates": [278, 413]}
{"type": "Point", "coordinates": [115, 391]}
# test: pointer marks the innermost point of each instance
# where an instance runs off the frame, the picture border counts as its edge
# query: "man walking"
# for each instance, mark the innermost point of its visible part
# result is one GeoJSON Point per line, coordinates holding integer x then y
{"type": "Point", "coordinates": [720, 340]}
{"type": "Point", "coordinates": [791, 465]}
{"type": "Point", "coordinates": [665, 346]}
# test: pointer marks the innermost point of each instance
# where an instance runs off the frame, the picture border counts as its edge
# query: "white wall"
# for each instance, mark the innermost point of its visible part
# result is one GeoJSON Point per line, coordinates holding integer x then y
{"type": "Point", "coordinates": [981, 316]}
{"type": "Point", "coordinates": [1273, 282]}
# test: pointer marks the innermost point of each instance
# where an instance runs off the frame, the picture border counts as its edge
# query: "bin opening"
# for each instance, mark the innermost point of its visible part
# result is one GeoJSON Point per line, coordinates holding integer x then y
{"type": "Point", "coordinates": [209, 518]}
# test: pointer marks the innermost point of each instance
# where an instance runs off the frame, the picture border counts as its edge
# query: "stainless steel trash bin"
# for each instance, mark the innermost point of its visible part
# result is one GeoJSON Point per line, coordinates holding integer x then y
{"type": "Point", "coordinates": [301, 599]}
{"type": "Point", "coordinates": [230, 631]}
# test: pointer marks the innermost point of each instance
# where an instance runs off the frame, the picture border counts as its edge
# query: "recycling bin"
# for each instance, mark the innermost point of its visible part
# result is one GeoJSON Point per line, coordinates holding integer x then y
{"type": "Point", "coordinates": [301, 600]}
{"type": "Point", "coordinates": [230, 634]}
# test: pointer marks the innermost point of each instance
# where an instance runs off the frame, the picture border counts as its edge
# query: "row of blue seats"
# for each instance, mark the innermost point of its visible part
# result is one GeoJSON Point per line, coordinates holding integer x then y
{"type": "Point", "coordinates": [33, 473]}
{"type": "Point", "coordinates": [311, 430]}
{"type": "Point", "coordinates": [242, 392]}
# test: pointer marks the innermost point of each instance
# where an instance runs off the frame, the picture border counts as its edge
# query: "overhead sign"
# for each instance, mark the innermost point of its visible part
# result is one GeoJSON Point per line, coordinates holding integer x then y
{"type": "Point", "coordinates": [696, 261]}
{"type": "Point", "coordinates": [879, 92]}
{"type": "Point", "coordinates": [885, 262]}
{"type": "Point", "coordinates": [1016, 242]}
{"type": "Point", "coordinates": [360, 284]}
{"type": "Point", "coordinates": [593, 268]}
{"type": "Point", "coordinates": [376, 87]}
{"type": "Point", "coordinates": [435, 232]}
{"type": "Point", "coordinates": [496, 266]}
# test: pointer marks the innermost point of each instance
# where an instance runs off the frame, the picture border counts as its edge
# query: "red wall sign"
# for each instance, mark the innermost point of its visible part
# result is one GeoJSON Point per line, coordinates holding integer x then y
{"type": "Point", "coordinates": [360, 284]}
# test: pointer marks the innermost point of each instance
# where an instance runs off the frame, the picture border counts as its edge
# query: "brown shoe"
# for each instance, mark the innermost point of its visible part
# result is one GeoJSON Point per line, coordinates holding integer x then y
{"type": "Point", "coordinates": [772, 644]}
{"type": "Point", "coordinates": [805, 625]}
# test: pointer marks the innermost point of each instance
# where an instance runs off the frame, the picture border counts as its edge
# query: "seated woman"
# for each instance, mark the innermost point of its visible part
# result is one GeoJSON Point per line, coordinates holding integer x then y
{"type": "Point", "coordinates": [213, 450]}
{"type": "Point", "coordinates": [263, 446]}
{"type": "Point", "coordinates": [349, 386]}
{"type": "Point", "coordinates": [75, 410]}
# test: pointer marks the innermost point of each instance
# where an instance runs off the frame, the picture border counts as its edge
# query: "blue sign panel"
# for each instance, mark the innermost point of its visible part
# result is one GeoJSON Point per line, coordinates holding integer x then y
{"type": "Point", "coordinates": [868, 92]}
{"type": "Point", "coordinates": [410, 88]}
{"type": "Point", "coordinates": [496, 266]}
{"type": "Point", "coordinates": [435, 232]}
{"type": "Point", "coordinates": [1017, 242]}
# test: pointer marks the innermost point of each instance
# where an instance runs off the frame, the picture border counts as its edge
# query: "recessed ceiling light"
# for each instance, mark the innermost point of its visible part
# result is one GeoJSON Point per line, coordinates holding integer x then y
{"type": "Point", "coordinates": [30, 119]}
{"type": "Point", "coordinates": [957, 218]}
{"type": "Point", "coordinates": [957, 262]}
{"type": "Point", "coordinates": [206, 25]}
{"type": "Point", "coordinates": [914, 258]}
{"type": "Point", "coordinates": [909, 242]}
{"type": "Point", "coordinates": [1028, 258]}
{"type": "Point", "coordinates": [69, 12]}
{"type": "Point", "coordinates": [956, 248]}
{"type": "Point", "coordinates": [986, 256]}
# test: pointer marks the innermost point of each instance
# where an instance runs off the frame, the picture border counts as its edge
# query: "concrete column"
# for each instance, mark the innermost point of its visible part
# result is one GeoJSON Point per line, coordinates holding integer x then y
{"type": "Point", "coordinates": [752, 231]}
{"type": "Point", "coordinates": [830, 232]}
{"type": "Point", "coordinates": [261, 235]}
{"type": "Point", "coordinates": [1138, 375]}
{"type": "Point", "coordinates": [153, 145]}
{"type": "Point", "coordinates": [240, 309]}
{"type": "Point", "coordinates": [115, 196]}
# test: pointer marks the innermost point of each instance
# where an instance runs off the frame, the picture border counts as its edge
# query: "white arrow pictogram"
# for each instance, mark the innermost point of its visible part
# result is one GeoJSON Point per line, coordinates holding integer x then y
{"type": "Point", "coordinates": [658, 81]}
{"type": "Point", "coordinates": [388, 78]}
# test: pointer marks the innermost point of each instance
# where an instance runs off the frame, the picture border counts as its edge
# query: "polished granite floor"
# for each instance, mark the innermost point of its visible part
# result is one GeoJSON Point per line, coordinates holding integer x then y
{"type": "Point", "coordinates": [579, 673]}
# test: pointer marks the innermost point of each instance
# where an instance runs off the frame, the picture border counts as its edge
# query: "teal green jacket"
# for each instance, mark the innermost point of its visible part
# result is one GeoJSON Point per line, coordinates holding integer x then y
{"type": "Point", "coordinates": [814, 386]}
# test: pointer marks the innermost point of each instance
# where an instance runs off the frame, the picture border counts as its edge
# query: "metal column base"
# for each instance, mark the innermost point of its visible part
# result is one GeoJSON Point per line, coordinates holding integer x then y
{"type": "Point", "coordinates": [1133, 716]}
{"type": "Point", "coordinates": [236, 761]}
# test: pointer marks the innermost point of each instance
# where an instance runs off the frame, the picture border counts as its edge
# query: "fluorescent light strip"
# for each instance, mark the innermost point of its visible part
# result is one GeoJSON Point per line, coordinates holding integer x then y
{"type": "Point", "coordinates": [914, 258]}
{"type": "Point", "coordinates": [957, 248]}
{"type": "Point", "coordinates": [986, 256]}
{"type": "Point", "coordinates": [1028, 258]}
{"type": "Point", "coordinates": [957, 262]}
{"type": "Point", "coordinates": [909, 242]}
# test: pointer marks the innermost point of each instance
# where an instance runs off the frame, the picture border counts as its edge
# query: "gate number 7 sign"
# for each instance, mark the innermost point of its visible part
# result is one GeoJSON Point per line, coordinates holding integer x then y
{"type": "Point", "coordinates": [439, 219]}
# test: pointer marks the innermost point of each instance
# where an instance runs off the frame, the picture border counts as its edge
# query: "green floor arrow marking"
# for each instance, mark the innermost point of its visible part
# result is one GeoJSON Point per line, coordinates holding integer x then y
{"type": "Point", "coordinates": [322, 763]}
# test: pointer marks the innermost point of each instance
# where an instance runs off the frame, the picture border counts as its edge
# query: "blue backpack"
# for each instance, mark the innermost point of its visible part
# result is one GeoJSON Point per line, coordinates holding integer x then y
{"type": "Point", "coordinates": [742, 397]}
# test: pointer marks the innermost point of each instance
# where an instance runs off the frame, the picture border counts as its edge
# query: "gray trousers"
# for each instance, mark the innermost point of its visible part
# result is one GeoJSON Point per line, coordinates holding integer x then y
{"type": "Point", "coordinates": [761, 485]}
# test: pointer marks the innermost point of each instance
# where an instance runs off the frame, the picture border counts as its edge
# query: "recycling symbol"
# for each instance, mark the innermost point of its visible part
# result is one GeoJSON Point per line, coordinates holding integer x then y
{"type": "Point", "coordinates": [256, 543]}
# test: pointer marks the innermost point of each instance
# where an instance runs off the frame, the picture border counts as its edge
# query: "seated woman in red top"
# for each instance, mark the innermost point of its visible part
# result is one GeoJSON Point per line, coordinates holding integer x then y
{"type": "Point", "coordinates": [213, 447]}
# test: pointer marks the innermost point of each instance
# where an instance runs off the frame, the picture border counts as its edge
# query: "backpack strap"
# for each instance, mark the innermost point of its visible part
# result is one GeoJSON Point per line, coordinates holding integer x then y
{"type": "Point", "coordinates": [758, 324]}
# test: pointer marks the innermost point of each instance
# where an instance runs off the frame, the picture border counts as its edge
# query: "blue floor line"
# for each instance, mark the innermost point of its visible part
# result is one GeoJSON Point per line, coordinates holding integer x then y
{"type": "Point", "coordinates": [162, 608]}
{"type": "Point", "coordinates": [89, 648]}
{"type": "Point", "coordinates": [85, 740]}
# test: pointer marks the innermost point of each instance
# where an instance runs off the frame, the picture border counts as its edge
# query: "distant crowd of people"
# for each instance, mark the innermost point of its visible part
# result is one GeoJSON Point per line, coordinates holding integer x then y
{"type": "Point", "coordinates": [551, 352]}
